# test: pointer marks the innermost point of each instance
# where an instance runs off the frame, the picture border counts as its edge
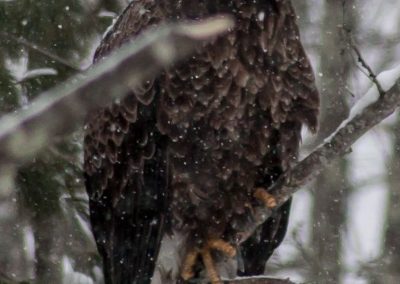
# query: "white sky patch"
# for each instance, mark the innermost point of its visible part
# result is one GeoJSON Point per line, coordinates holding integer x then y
{"type": "Point", "coordinates": [370, 153]}
{"type": "Point", "coordinates": [383, 12]}
{"type": "Point", "coordinates": [261, 16]}
{"type": "Point", "coordinates": [367, 205]}
{"type": "Point", "coordinates": [367, 211]}
{"type": "Point", "coordinates": [29, 243]}
{"type": "Point", "coordinates": [299, 223]}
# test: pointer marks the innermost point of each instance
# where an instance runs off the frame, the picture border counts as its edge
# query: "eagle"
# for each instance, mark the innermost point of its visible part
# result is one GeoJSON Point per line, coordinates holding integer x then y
{"type": "Point", "coordinates": [178, 165]}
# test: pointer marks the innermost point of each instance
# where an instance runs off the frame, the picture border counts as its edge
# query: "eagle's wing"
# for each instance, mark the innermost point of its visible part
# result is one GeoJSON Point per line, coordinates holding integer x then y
{"type": "Point", "coordinates": [126, 168]}
{"type": "Point", "coordinates": [259, 248]}
{"type": "Point", "coordinates": [298, 90]}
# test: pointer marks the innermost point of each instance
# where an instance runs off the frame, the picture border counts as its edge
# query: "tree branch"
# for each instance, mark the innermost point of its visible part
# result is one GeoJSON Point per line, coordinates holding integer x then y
{"type": "Point", "coordinates": [258, 280]}
{"type": "Point", "coordinates": [334, 147]}
{"type": "Point", "coordinates": [60, 110]}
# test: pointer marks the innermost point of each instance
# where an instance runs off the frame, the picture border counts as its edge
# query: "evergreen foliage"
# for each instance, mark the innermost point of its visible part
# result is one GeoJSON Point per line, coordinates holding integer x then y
{"type": "Point", "coordinates": [43, 42]}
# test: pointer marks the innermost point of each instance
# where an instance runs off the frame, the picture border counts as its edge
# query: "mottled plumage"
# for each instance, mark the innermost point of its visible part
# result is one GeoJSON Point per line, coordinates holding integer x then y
{"type": "Point", "coordinates": [184, 153]}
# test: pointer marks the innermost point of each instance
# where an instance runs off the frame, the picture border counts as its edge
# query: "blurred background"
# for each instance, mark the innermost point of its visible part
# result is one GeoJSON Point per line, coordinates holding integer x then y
{"type": "Point", "coordinates": [344, 227]}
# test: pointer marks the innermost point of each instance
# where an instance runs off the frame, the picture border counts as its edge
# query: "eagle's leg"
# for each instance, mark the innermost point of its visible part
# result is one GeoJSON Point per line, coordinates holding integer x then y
{"type": "Point", "coordinates": [205, 252]}
{"type": "Point", "coordinates": [266, 198]}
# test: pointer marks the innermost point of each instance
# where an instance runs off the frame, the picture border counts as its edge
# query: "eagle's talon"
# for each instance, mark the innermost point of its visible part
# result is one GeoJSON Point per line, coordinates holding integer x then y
{"type": "Point", "coordinates": [268, 199]}
{"type": "Point", "coordinates": [222, 246]}
{"type": "Point", "coordinates": [190, 260]}
{"type": "Point", "coordinates": [212, 273]}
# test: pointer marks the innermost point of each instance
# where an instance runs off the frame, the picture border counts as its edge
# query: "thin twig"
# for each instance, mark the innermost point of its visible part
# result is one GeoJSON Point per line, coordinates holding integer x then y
{"type": "Point", "coordinates": [364, 64]}
{"type": "Point", "coordinates": [40, 50]}
{"type": "Point", "coordinates": [360, 59]}
{"type": "Point", "coordinates": [347, 32]}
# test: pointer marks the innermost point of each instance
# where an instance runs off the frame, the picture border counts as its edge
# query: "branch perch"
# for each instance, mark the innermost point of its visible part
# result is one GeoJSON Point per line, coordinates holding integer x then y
{"type": "Point", "coordinates": [334, 147]}
{"type": "Point", "coordinates": [62, 109]}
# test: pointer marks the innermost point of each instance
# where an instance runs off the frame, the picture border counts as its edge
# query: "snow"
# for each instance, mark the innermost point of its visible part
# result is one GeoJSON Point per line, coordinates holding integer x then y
{"type": "Point", "coordinates": [110, 27]}
{"type": "Point", "coordinates": [38, 72]}
{"type": "Point", "coordinates": [169, 258]}
{"type": "Point", "coordinates": [107, 14]}
{"type": "Point", "coordinates": [73, 277]}
{"type": "Point", "coordinates": [19, 70]}
{"type": "Point", "coordinates": [367, 205]}
{"type": "Point", "coordinates": [386, 79]}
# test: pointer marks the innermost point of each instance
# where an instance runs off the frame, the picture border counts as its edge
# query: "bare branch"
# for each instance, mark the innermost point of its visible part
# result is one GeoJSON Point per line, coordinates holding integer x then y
{"type": "Point", "coordinates": [365, 65]}
{"type": "Point", "coordinates": [360, 59]}
{"type": "Point", "coordinates": [60, 110]}
{"type": "Point", "coordinates": [334, 147]}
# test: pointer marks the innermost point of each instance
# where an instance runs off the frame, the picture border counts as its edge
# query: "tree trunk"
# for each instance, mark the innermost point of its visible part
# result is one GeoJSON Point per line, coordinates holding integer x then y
{"type": "Point", "coordinates": [391, 248]}
{"type": "Point", "coordinates": [48, 249]}
{"type": "Point", "coordinates": [332, 186]}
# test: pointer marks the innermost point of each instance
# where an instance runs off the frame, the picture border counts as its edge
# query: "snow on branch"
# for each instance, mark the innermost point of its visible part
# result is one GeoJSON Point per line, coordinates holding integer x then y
{"type": "Point", "coordinates": [258, 280]}
{"type": "Point", "coordinates": [62, 109]}
{"type": "Point", "coordinates": [367, 112]}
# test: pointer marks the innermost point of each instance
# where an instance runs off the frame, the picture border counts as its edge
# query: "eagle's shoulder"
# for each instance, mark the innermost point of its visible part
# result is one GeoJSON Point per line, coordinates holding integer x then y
{"type": "Point", "coordinates": [137, 16]}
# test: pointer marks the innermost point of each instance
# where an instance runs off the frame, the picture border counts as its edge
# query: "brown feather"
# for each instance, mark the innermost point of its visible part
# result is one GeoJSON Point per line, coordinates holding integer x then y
{"type": "Point", "coordinates": [221, 123]}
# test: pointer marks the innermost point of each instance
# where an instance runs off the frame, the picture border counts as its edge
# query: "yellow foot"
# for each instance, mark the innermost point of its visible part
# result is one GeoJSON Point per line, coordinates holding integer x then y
{"type": "Point", "coordinates": [265, 197]}
{"type": "Point", "coordinates": [205, 252]}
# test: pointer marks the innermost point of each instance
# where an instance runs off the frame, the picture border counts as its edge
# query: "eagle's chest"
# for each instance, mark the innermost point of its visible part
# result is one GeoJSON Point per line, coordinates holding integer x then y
{"type": "Point", "coordinates": [220, 129]}
{"type": "Point", "coordinates": [220, 94]}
